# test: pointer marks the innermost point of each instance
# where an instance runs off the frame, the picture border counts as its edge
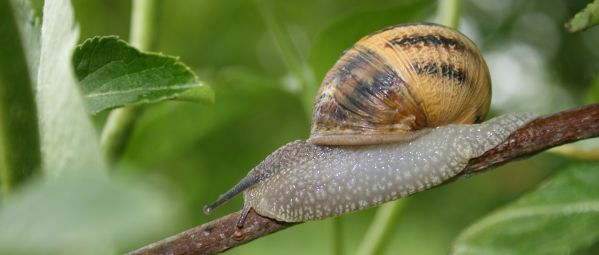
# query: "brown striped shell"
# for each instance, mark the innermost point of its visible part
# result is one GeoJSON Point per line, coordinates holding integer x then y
{"type": "Point", "coordinates": [398, 82]}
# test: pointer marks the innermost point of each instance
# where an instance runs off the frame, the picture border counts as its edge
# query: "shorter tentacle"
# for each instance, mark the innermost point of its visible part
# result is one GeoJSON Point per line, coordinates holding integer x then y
{"type": "Point", "coordinates": [243, 214]}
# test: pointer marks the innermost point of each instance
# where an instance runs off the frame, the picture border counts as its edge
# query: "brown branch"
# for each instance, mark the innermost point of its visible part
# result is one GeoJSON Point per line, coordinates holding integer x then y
{"type": "Point", "coordinates": [541, 134]}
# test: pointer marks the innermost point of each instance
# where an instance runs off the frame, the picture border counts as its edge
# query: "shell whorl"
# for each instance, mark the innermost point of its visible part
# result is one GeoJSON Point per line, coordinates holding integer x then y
{"type": "Point", "coordinates": [398, 81]}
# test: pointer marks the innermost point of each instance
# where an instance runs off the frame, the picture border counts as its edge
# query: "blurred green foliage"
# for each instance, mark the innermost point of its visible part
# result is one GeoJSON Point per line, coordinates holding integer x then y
{"type": "Point", "coordinates": [200, 151]}
{"type": "Point", "coordinates": [84, 214]}
{"type": "Point", "coordinates": [587, 17]}
{"type": "Point", "coordinates": [557, 218]}
{"type": "Point", "coordinates": [19, 136]}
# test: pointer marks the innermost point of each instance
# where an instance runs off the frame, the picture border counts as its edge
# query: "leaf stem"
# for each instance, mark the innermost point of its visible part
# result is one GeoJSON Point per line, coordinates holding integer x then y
{"type": "Point", "coordinates": [381, 228]}
{"type": "Point", "coordinates": [20, 155]}
{"type": "Point", "coordinates": [448, 12]}
{"type": "Point", "coordinates": [290, 55]}
{"type": "Point", "coordinates": [569, 150]}
{"type": "Point", "coordinates": [143, 19]}
{"type": "Point", "coordinates": [338, 235]}
{"type": "Point", "coordinates": [121, 122]}
{"type": "Point", "coordinates": [117, 131]}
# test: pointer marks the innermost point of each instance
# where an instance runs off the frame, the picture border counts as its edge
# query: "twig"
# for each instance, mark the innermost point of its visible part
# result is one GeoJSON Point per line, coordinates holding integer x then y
{"type": "Point", "coordinates": [382, 227]}
{"type": "Point", "coordinates": [541, 134]}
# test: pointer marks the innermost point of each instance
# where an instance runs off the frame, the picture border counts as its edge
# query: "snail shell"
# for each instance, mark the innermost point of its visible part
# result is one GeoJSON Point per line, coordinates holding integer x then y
{"type": "Point", "coordinates": [398, 81]}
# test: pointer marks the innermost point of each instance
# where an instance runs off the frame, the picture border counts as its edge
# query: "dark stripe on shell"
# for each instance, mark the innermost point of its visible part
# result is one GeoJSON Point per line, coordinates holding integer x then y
{"type": "Point", "coordinates": [444, 70]}
{"type": "Point", "coordinates": [429, 40]}
{"type": "Point", "coordinates": [381, 77]}
{"type": "Point", "coordinates": [375, 85]}
{"type": "Point", "coordinates": [358, 60]}
{"type": "Point", "coordinates": [411, 24]}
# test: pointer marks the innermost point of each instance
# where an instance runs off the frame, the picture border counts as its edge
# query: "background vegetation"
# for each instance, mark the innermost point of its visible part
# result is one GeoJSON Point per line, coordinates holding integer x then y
{"type": "Point", "coordinates": [263, 60]}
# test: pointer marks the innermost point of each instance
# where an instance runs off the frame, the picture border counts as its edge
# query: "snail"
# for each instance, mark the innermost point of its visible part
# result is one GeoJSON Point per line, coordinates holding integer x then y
{"type": "Point", "coordinates": [399, 112]}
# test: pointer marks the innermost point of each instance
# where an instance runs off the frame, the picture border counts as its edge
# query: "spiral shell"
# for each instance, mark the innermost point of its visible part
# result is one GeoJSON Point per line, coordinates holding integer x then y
{"type": "Point", "coordinates": [398, 82]}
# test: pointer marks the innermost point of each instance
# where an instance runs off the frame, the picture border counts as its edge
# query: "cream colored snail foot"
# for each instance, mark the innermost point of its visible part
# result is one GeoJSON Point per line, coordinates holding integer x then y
{"type": "Point", "coordinates": [302, 181]}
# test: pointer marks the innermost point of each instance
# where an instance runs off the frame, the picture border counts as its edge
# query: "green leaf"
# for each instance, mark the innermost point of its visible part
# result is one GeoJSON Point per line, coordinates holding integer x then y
{"type": "Point", "coordinates": [68, 138]}
{"type": "Point", "coordinates": [84, 215]}
{"type": "Point", "coordinates": [344, 32]}
{"type": "Point", "coordinates": [584, 19]}
{"type": "Point", "coordinates": [114, 74]}
{"type": "Point", "coordinates": [560, 217]}
{"type": "Point", "coordinates": [20, 154]}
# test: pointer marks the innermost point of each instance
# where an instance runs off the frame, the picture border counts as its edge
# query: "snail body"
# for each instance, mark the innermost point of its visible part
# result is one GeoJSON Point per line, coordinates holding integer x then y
{"type": "Point", "coordinates": [317, 182]}
{"type": "Point", "coordinates": [394, 116]}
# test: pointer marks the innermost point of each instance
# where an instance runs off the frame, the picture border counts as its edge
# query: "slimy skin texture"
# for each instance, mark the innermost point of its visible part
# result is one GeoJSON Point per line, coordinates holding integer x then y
{"type": "Point", "coordinates": [302, 181]}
